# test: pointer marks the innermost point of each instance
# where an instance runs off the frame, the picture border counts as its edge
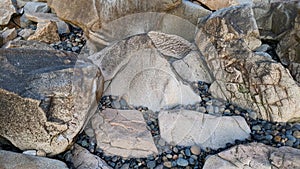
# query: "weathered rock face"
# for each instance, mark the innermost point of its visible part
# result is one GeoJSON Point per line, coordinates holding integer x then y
{"type": "Point", "coordinates": [46, 98]}
{"type": "Point", "coordinates": [123, 133]}
{"type": "Point", "coordinates": [9, 160]}
{"type": "Point", "coordinates": [247, 79]}
{"type": "Point", "coordinates": [187, 128]}
{"type": "Point", "coordinates": [28, 45]}
{"type": "Point", "coordinates": [83, 159]}
{"type": "Point", "coordinates": [218, 4]}
{"type": "Point", "coordinates": [136, 70]}
{"type": "Point", "coordinates": [7, 9]}
{"type": "Point", "coordinates": [255, 155]}
{"type": "Point", "coordinates": [46, 32]}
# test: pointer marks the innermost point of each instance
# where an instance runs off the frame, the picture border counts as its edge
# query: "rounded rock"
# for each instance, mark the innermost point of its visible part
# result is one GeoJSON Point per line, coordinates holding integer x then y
{"type": "Point", "coordinates": [182, 162]}
{"type": "Point", "coordinates": [296, 134]}
{"type": "Point", "coordinates": [195, 150]}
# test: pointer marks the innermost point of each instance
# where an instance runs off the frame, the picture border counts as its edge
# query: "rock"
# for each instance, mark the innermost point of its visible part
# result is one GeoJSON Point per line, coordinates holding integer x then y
{"type": "Point", "coordinates": [46, 32]}
{"type": "Point", "coordinates": [296, 134]}
{"type": "Point", "coordinates": [28, 45]}
{"type": "Point", "coordinates": [135, 70]}
{"type": "Point", "coordinates": [186, 128]}
{"type": "Point", "coordinates": [242, 77]}
{"type": "Point", "coordinates": [25, 33]}
{"type": "Point", "coordinates": [123, 133]}
{"type": "Point", "coordinates": [195, 150]}
{"type": "Point", "coordinates": [9, 34]}
{"type": "Point", "coordinates": [33, 7]}
{"type": "Point", "coordinates": [1, 40]}
{"type": "Point", "coordinates": [255, 155]}
{"type": "Point", "coordinates": [9, 160]}
{"type": "Point", "coordinates": [192, 68]}
{"type": "Point", "coordinates": [83, 159]}
{"type": "Point", "coordinates": [30, 152]}
{"type": "Point", "coordinates": [218, 4]}
{"type": "Point", "coordinates": [7, 9]}
{"type": "Point", "coordinates": [46, 98]}
{"type": "Point", "coordinates": [182, 162]}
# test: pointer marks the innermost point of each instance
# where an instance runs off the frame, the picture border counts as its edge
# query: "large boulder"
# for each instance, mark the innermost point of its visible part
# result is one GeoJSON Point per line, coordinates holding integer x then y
{"type": "Point", "coordinates": [137, 70]}
{"type": "Point", "coordinates": [255, 155]}
{"type": "Point", "coordinates": [250, 80]}
{"type": "Point", "coordinates": [187, 128]}
{"type": "Point", "coordinates": [10, 160]}
{"type": "Point", "coordinates": [7, 9]}
{"type": "Point", "coordinates": [123, 133]}
{"type": "Point", "coordinates": [46, 98]}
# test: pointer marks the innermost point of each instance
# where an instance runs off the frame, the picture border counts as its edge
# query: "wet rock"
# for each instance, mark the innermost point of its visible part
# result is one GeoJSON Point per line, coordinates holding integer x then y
{"type": "Point", "coordinates": [123, 133]}
{"type": "Point", "coordinates": [83, 159]}
{"type": "Point", "coordinates": [42, 106]}
{"type": "Point", "coordinates": [255, 155]}
{"type": "Point", "coordinates": [186, 128]}
{"type": "Point", "coordinates": [7, 9]}
{"type": "Point", "coordinates": [10, 160]}
{"type": "Point", "coordinates": [46, 32]}
{"type": "Point", "coordinates": [242, 77]}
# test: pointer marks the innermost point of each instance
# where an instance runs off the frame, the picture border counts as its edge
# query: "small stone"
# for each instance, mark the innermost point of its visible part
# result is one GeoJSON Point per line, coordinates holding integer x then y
{"type": "Point", "coordinates": [175, 150]}
{"type": "Point", "coordinates": [182, 162]}
{"type": "Point", "coordinates": [195, 150]}
{"type": "Point", "coordinates": [30, 152]}
{"type": "Point", "coordinates": [116, 104]}
{"type": "Point", "coordinates": [151, 164]}
{"type": "Point", "coordinates": [75, 49]}
{"type": "Point", "coordinates": [277, 138]}
{"type": "Point", "coordinates": [168, 164]}
{"type": "Point", "coordinates": [252, 115]}
{"type": "Point", "coordinates": [210, 109]}
{"type": "Point", "coordinates": [296, 134]}
{"type": "Point", "coordinates": [291, 138]}
{"type": "Point", "coordinates": [201, 109]}
{"type": "Point", "coordinates": [161, 142]}
{"type": "Point", "coordinates": [269, 137]}
{"type": "Point", "coordinates": [192, 161]}
{"type": "Point", "coordinates": [187, 152]}
{"type": "Point", "coordinates": [256, 128]}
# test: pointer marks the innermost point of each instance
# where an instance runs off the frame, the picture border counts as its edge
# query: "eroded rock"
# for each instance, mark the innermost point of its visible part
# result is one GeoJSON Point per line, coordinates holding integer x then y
{"type": "Point", "coordinates": [187, 128]}
{"type": "Point", "coordinates": [250, 80]}
{"type": "Point", "coordinates": [9, 160]}
{"type": "Point", "coordinates": [7, 9]}
{"type": "Point", "coordinates": [46, 32]}
{"type": "Point", "coordinates": [123, 133]}
{"type": "Point", "coordinates": [255, 155]}
{"type": "Point", "coordinates": [46, 98]}
{"type": "Point", "coordinates": [28, 45]}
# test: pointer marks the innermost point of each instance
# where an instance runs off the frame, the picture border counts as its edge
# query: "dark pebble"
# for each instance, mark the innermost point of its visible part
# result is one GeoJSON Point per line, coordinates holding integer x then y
{"type": "Point", "coordinates": [151, 164]}
{"type": "Point", "coordinates": [182, 162]}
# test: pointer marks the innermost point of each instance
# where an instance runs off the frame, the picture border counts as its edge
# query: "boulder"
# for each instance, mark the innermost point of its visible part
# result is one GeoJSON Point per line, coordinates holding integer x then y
{"type": "Point", "coordinates": [9, 34]}
{"type": "Point", "coordinates": [123, 133]}
{"type": "Point", "coordinates": [25, 33]}
{"type": "Point", "coordinates": [218, 4]}
{"type": "Point", "coordinates": [46, 32]}
{"type": "Point", "coordinates": [9, 160]}
{"type": "Point", "coordinates": [83, 159]}
{"type": "Point", "coordinates": [7, 9]}
{"type": "Point", "coordinates": [46, 98]}
{"type": "Point", "coordinates": [255, 155]}
{"type": "Point", "coordinates": [187, 128]}
{"type": "Point", "coordinates": [28, 45]}
{"type": "Point", "coordinates": [249, 80]}
{"type": "Point", "coordinates": [137, 70]}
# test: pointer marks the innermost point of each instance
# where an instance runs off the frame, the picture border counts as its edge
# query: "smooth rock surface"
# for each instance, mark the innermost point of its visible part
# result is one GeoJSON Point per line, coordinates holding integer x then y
{"type": "Point", "coordinates": [28, 45]}
{"type": "Point", "coordinates": [187, 128]}
{"type": "Point", "coordinates": [7, 9]}
{"type": "Point", "coordinates": [244, 78]}
{"type": "Point", "coordinates": [46, 32]}
{"type": "Point", "coordinates": [83, 159]}
{"type": "Point", "coordinates": [123, 133]}
{"type": "Point", "coordinates": [136, 70]}
{"type": "Point", "coordinates": [46, 98]}
{"type": "Point", "coordinates": [255, 155]}
{"type": "Point", "coordinates": [11, 160]}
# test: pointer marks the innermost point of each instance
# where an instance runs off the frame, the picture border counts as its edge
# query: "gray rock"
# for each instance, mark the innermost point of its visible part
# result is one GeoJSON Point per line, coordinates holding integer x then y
{"type": "Point", "coordinates": [255, 155]}
{"type": "Point", "coordinates": [136, 71]}
{"type": "Point", "coordinates": [7, 9]}
{"type": "Point", "coordinates": [196, 150]}
{"type": "Point", "coordinates": [28, 45]}
{"type": "Point", "coordinates": [9, 34]}
{"type": "Point", "coordinates": [33, 7]}
{"type": "Point", "coordinates": [46, 98]}
{"type": "Point", "coordinates": [182, 162]}
{"type": "Point", "coordinates": [25, 33]}
{"type": "Point", "coordinates": [83, 159]}
{"type": "Point", "coordinates": [243, 77]}
{"type": "Point", "coordinates": [123, 133]}
{"type": "Point", "coordinates": [186, 128]}
{"type": "Point", "coordinates": [9, 160]}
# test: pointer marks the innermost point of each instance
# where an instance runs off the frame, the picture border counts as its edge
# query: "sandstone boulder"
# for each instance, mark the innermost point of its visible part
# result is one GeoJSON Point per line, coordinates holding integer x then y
{"type": "Point", "coordinates": [250, 80]}
{"type": "Point", "coordinates": [7, 9]}
{"type": "Point", "coordinates": [123, 133]}
{"type": "Point", "coordinates": [46, 98]}
{"type": "Point", "coordinates": [10, 160]}
{"type": "Point", "coordinates": [255, 155]}
{"type": "Point", "coordinates": [187, 128]}
{"type": "Point", "coordinates": [138, 71]}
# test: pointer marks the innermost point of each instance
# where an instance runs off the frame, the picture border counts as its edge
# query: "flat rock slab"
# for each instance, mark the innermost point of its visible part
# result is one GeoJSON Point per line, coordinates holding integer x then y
{"type": "Point", "coordinates": [46, 98]}
{"type": "Point", "coordinates": [187, 128]}
{"type": "Point", "coordinates": [255, 155]}
{"type": "Point", "coordinates": [123, 133]}
{"type": "Point", "coordinates": [138, 71]}
{"type": "Point", "coordinates": [82, 159]}
{"type": "Point", "coordinates": [11, 160]}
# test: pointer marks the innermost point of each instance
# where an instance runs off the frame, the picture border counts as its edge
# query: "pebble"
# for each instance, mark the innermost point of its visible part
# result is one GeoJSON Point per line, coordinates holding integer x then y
{"type": "Point", "coordinates": [195, 150]}
{"type": "Point", "coordinates": [256, 127]}
{"type": "Point", "coordinates": [277, 138]}
{"type": "Point", "coordinates": [168, 164]}
{"type": "Point", "coordinates": [151, 164]}
{"type": "Point", "coordinates": [182, 162]}
{"type": "Point", "coordinates": [297, 134]}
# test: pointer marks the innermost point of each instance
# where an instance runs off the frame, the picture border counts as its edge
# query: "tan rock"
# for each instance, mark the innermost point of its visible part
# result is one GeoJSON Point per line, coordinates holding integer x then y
{"type": "Point", "coordinates": [255, 155]}
{"type": "Point", "coordinates": [9, 34]}
{"type": "Point", "coordinates": [46, 32]}
{"type": "Point", "coordinates": [9, 160]}
{"type": "Point", "coordinates": [42, 106]}
{"type": "Point", "coordinates": [83, 159]}
{"type": "Point", "coordinates": [123, 133]}
{"type": "Point", "coordinates": [7, 9]}
{"type": "Point", "coordinates": [25, 33]}
{"type": "Point", "coordinates": [187, 128]}
{"type": "Point", "coordinates": [218, 4]}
